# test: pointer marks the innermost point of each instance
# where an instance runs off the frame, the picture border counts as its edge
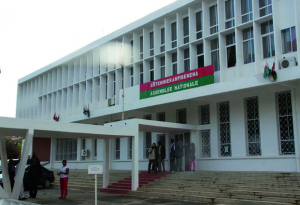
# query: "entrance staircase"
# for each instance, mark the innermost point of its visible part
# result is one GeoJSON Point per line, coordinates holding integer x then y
{"type": "Point", "coordinates": [80, 180]}
{"type": "Point", "coordinates": [226, 187]}
{"type": "Point", "coordinates": [124, 186]}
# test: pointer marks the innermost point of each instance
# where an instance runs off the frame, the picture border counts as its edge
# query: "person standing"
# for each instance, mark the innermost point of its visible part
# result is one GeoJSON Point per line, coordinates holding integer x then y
{"type": "Point", "coordinates": [21, 195]}
{"type": "Point", "coordinates": [192, 156]}
{"type": "Point", "coordinates": [179, 154]}
{"type": "Point", "coordinates": [161, 156]}
{"type": "Point", "coordinates": [11, 173]}
{"type": "Point", "coordinates": [64, 172]}
{"type": "Point", "coordinates": [172, 156]}
{"type": "Point", "coordinates": [35, 172]}
{"type": "Point", "coordinates": [152, 160]}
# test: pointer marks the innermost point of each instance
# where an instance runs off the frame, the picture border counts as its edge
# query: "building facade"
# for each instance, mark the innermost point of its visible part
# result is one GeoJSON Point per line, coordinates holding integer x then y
{"type": "Point", "coordinates": [247, 117]}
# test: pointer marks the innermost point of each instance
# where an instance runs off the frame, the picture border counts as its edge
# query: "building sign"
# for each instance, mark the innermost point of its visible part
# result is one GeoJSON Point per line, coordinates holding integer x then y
{"type": "Point", "coordinates": [95, 169]}
{"type": "Point", "coordinates": [183, 81]}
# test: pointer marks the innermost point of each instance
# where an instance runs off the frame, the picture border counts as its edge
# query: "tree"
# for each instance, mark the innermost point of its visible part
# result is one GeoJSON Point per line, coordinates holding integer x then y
{"type": "Point", "coordinates": [12, 149]}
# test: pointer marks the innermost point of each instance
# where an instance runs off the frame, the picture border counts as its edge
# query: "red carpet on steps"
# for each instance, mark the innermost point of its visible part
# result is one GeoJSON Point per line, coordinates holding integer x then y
{"type": "Point", "coordinates": [124, 186]}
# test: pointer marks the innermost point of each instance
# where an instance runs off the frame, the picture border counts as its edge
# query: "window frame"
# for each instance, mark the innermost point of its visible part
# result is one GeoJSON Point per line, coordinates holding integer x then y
{"type": "Point", "coordinates": [249, 13]}
{"type": "Point", "coordinates": [269, 34]}
{"type": "Point", "coordinates": [199, 17]}
{"type": "Point", "coordinates": [291, 29]}
{"type": "Point", "coordinates": [162, 67]}
{"type": "Point", "coordinates": [251, 40]}
{"type": "Point", "coordinates": [200, 55]}
{"type": "Point", "coordinates": [141, 47]}
{"type": "Point", "coordinates": [174, 63]}
{"type": "Point", "coordinates": [162, 39]}
{"type": "Point", "coordinates": [216, 25]}
{"type": "Point", "coordinates": [185, 29]}
{"type": "Point", "coordinates": [227, 46]}
{"type": "Point", "coordinates": [186, 60]}
{"type": "Point", "coordinates": [151, 70]}
{"type": "Point", "coordinates": [268, 5]}
{"type": "Point", "coordinates": [229, 131]}
{"type": "Point", "coordinates": [174, 35]}
{"type": "Point", "coordinates": [217, 50]}
{"type": "Point", "coordinates": [231, 19]}
{"type": "Point", "coordinates": [246, 100]}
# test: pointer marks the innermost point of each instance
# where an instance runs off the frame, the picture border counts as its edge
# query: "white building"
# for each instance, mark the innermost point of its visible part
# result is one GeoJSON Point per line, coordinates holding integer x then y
{"type": "Point", "coordinates": [244, 122]}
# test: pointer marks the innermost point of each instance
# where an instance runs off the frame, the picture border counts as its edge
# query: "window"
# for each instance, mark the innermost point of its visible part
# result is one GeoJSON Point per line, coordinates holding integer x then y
{"type": "Point", "coordinates": [66, 149]}
{"type": "Point", "coordinates": [224, 126]}
{"type": "Point", "coordinates": [148, 117]}
{"type": "Point", "coordinates": [151, 70]}
{"type": "Point", "coordinates": [147, 144]}
{"type": "Point", "coordinates": [186, 60]}
{"type": "Point", "coordinates": [99, 89]}
{"type": "Point", "coordinates": [161, 138]}
{"type": "Point", "coordinates": [204, 115]}
{"type": "Point", "coordinates": [174, 63]}
{"type": "Point", "coordinates": [186, 30]}
{"type": "Point", "coordinates": [267, 34]}
{"type": "Point", "coordinates": [215, 54]}
{"type": "Point", "coordinates": [161, 116]}
{"type": "Point", "coordinates": [141, 47]}
{"type": "Point", "coordinates": [162, 67]}
{"type": "Point", "coordinates": [106, 66]}
{"type": "Point", "coordinates": [252, 126]}
{"type": "Point", "coordinates": [265, 7]}
{"type": "Point", "coordinates": [174, 35]}
{"type": "Point", "coordinates": [95, 149]}
{"type": "Point", "coordinates": [229, 14]}
{"type": "Point", "coordinates": [131, 50]}
{"type": "Point", "coordinates": [106, 82]}
{"type": "Point", "coordinates": [248, 45]}
{"type": "Point", "coordinates": [200, 56]}
{"type": "Point", "coordinates": [213, 12]}
{"type": "Point", "coordinates": [141, 74]}
{"type": "Point", "coordinates": [289, 42]}
{"type": "Point", "coordinates": [181, 116]}
{"type": "Point", "coordinates": [83, 147]}
{"type": "Point", "coordinates": [131, 76]}
{"type": "Point", "coordinates": [230, 47]}
{"type": "Point", "coordinates": [117, 148]}
{"type": "Point", "coordinates": [199, 24]}
{"type": "Point", "coordinates": [130, 148]}
{"type": "Point", "coordinates": [285, 122]}
{"type": "Point", "coordinates": [114, 84]}
{"type": "Point", "coordinates": [246, 7]}
{"type": "Point", "coordinates": [205, 143]}
{"type": "Point", "coordinates": [162, 40]}
{"type": "Point", "coordinates": [151, 44]}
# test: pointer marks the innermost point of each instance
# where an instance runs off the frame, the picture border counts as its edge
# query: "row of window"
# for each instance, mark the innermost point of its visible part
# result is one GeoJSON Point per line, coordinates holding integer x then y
{"type": "Point", "coordinates": [265, 8]}
{"type": "Point", "coordinates": [67, 148]}
{"type": "Point", "coordinates": [284, 118]}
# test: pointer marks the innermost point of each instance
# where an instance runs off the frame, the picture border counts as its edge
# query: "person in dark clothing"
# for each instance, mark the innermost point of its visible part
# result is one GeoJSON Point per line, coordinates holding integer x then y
{"type": "Point", "coordinates": [11, 173]}
{"type": "Point", "coordinates": [161, 155]}
{"type": "Point", "coordinates": [179, 154]}
{"type": "Point", "coordinates": [172, 156]}
{"type": "Point", "coordinates": [35, 172]}
{"type": "Point", "coordinates": [192, 156]}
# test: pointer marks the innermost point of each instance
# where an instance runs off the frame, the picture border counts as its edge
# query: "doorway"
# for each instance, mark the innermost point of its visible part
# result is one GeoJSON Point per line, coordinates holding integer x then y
{"type": "Point", "coordinates": [185, 137]}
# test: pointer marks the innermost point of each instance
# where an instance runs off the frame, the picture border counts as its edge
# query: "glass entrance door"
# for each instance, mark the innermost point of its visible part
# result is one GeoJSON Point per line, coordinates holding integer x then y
{"type": "Point", "coordinates": [185, 138]}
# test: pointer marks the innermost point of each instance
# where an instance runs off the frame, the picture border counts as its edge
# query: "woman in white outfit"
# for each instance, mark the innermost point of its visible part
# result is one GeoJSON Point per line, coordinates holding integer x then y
{"type": "Point", "coordinates": [64, 171]}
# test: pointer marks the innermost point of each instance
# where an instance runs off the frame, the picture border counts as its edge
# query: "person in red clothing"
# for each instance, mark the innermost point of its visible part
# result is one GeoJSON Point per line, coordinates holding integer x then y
{"type": "Point", "coordinates": [64, 171]}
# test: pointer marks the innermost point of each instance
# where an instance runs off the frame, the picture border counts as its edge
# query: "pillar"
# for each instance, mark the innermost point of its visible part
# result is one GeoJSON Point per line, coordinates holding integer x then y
{"type": "Point", "coordinates": [106, 163]}
{"type": "Point", "coordinates": [135, 161]}
{"type": "Point", "coordinates": [6, 192]}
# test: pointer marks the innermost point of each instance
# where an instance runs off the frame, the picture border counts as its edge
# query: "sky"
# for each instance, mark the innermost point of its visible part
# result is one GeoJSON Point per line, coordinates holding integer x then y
{"type": "Point", "coordinates": [35, 33]}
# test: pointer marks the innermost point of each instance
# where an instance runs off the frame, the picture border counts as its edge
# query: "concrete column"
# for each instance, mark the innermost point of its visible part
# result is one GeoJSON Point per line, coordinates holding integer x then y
{"type": "Point", "coordinates": [106, 163]}
{"type": "Point", "coordinates": [22, 164]}
{"type": "Point", "coordinates": [6, 192]}
{"type": "Point", "coordinates": [135, 161]}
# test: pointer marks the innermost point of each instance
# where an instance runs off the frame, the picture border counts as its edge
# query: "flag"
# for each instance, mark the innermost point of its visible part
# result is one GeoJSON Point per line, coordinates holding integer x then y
{"type": "Point", "coordinates": [121, 59]}
{"type": "Point", "coordinates": [266, 72]}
